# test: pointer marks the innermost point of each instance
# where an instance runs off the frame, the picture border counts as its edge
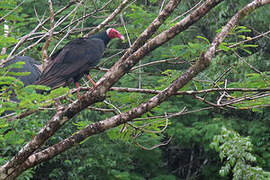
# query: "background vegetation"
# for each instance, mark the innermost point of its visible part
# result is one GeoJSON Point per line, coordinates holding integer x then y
{"type": "Point", "coordinates": [209, 143]}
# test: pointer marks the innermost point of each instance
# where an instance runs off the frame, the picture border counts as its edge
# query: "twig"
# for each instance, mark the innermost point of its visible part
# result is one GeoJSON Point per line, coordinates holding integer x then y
{"type": "Point", "coordinates": [247, 40]}
{"type": "Point", "coordinates": [112, 56]}
{"type": "Point", "coordinates": [154, 62]}
{"type": "Point", "coordinates": [109, 18]}
{"type": "Point", "coordinates": [114, 107]}
{"type": "Point", "coordinates": [56, 25]}
{"type": "Point", "coordinates": [50, 35]}
{"type": "Point", "coordinates": [102, 109]}
{"type": "Point", "coordinates": [24, 38]}
{"type": "Point", "coordinates": [250, 66]}
{"type": "Point", "coordinates": [2, 19]}
{"type": "Point", "coordinates": [161, 6]}
{"type": "Point", "coordinates": [187, 11]}
{"type": "Point", "coordinates": [191, 92]}
{"type": "Point", "coordinates": [205, 101]}
{"type": "Point", "coordinates": [183, 111]}
{"type": "Point", "coordinates": [153, 147]}
{"type": "Point", "coordinates": [223, 94]}
{"type": "Point", "coordinates": [250, 98]}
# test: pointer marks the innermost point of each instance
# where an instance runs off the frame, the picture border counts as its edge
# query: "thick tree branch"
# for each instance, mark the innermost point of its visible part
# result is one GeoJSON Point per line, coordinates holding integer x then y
{"type": "Point", "coordinates": [122, 118]}
{"type": "Point", "coordinates": [124, 65]}
{"type": "Point", "coordinates": [12, 168]}
{"type": "Point", "coordinates": [152, 28]}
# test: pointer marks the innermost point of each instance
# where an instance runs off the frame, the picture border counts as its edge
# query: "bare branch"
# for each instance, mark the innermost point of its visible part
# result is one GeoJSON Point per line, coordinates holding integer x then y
{"type": "Point", "coordinates": [154, 62]}
{"type": "Point", "coordinates": [98, 94]}
{"type": "Point", "coordinates": [147, 91]}
{"type": "Point", "coordinates": [102, 109]}
{"type": "Point", "coordinates": [250, 66]}
{"type": "Point", "coordinates": [109, 18]}
{"type": "Point", "coordinates": [50, 34]}
{"type": "Point", "coordinates": [191, 92]}
{"type": "Point", "coordinates": [191, 9]}
{"type": "Point", "coordinates": [2, 19]}
{"type": "Point", "coordinates": [155, 146]}
{"type": "Point", "coordinates": [24, 38]}
{"type": "Point", "coordinates": [25, 158]}
{"type": "Point", "coordinates": [182, 112]}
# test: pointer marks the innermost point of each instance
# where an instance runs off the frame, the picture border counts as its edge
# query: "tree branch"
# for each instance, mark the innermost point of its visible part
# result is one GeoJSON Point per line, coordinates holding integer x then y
{"type": "Point", "coordinates": [50, 35]}
{"type": "Point", "coordinates": [24, 38]}
{"type": "Point", "coordinates": [122, 118]}
{"type": "Point", "coordinates": [109, 18]}
{"type": "Point", "coordinates": [191, 92]}
{"type": "Point", "coordinates": [98, 94]}
{"type": "Point", "coordinates": [19, 163]}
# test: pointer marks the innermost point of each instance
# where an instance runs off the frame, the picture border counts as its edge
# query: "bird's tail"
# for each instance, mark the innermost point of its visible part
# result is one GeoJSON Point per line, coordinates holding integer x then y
{"type": "Point", "coordinates": [51, 82]}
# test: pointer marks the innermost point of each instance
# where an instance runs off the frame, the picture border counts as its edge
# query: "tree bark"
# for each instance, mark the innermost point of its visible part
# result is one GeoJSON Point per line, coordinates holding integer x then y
{"type": "Point", "coordinates": [26, 157]}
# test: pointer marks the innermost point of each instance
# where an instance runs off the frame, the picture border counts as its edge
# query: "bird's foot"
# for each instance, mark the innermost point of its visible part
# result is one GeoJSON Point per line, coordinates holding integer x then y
{"type": "Point", "coordinates": [92, 81]}
{"type": "Point", "coordinates": [78, 90]}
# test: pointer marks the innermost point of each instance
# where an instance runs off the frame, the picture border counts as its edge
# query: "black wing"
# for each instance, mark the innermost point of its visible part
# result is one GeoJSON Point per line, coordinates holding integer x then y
{"type": "Point", "coordinates": [29, 66]}
{"type": "Point", "coordinates": [72, 61]}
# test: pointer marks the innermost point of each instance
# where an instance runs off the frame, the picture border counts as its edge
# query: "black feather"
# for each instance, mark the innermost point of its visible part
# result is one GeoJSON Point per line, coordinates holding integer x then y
{"type": "Point", "coordinates": [74, 60]}
{"type": "Point", "coordinates": [29, 66]}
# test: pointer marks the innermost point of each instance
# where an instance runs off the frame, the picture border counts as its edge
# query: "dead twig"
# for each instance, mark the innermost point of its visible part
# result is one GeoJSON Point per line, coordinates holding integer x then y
{"type": "Point", "coordinates": [50, 35]}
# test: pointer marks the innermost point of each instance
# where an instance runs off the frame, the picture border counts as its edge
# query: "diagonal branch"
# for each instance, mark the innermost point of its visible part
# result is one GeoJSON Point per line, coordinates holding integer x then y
{"type": "Point", "coordinates": [122, 118]}
{"type": "Point", "coordinates": [14, 167]}
{"type": "Point", "coordinates": [124, 65]}
{"type": "Point", "coordinates": [152, 28]}
{"type": "Point", "coordinates": [109, 18]}
{"type": "Point", "coordinates": [2, 19]}
{"type": "Point", "coordinates": [24, 38]}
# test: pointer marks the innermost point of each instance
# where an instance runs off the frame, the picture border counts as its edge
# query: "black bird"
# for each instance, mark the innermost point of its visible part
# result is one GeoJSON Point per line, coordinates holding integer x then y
{"type": "Point", "coordinates": [75, 59]}
{"type": "Point", "coordinates": [30, 65]}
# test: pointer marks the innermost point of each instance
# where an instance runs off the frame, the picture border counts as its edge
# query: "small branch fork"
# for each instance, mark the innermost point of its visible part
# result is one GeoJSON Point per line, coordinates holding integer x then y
{"type": "Point", "coordinates": [24, 38]}
{"type": "Point", "coordinates": [28, 156]}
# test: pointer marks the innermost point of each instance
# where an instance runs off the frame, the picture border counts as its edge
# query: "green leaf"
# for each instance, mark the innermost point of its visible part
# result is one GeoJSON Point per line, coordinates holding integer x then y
{"type": "Point", "coordinates": [203, 38]}
{"type": "Point", "coordinates": [223, 47]}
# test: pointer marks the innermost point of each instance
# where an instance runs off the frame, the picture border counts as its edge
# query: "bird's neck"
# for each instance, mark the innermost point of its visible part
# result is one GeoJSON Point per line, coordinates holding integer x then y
{"type": "Point", "coordinates": [103, 36]}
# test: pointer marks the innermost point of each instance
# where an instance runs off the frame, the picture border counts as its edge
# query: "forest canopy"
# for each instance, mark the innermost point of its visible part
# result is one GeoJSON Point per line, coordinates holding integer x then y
{"type": "Point", "coordinates": [184, 96]}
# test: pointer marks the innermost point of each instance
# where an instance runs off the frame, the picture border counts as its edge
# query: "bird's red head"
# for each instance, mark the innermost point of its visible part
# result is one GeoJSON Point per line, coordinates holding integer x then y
{"type": "Point", "coordinates": [113, 33]}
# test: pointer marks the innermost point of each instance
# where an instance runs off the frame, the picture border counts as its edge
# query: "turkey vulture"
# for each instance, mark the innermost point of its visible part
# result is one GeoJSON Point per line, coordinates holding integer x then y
{"type": "Point", "coordinates": [75, 60]}
{"type": "Point", "coordinates": [30, 65]}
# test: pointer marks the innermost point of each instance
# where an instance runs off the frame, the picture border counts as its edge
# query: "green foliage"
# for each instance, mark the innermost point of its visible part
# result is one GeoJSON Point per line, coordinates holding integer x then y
{"type": "Point", "coordinates": [114, 154]}
{"type": "Point", "coordinates": [236, 152]}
